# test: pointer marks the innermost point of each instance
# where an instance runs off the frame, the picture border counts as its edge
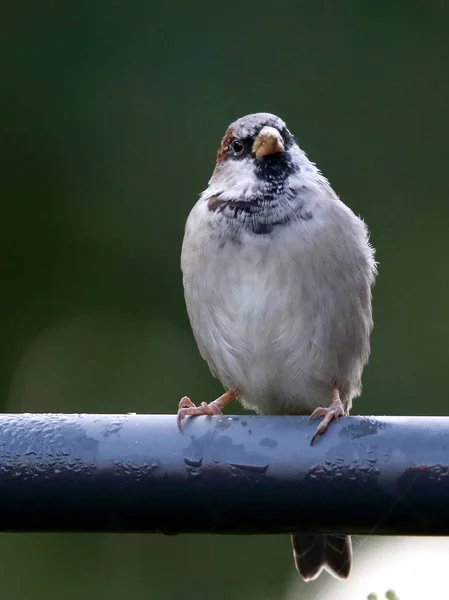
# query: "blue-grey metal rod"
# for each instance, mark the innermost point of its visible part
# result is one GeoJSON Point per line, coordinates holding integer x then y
{"type": "Point", "coordinates": [245, 474]}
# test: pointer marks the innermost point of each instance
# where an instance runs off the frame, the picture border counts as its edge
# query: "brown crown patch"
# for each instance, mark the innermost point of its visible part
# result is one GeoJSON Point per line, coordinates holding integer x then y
{"type": "Point", "coordinates": [224, 146]}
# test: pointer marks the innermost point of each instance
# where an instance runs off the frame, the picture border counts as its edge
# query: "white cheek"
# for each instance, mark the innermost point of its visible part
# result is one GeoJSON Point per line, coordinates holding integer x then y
{"type": "Point", "coordinates": [235, 179]}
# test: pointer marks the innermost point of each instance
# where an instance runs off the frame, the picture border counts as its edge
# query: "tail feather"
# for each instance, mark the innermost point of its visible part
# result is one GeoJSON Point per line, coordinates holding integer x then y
{"type": "Point", "coordinates": [313, 553]}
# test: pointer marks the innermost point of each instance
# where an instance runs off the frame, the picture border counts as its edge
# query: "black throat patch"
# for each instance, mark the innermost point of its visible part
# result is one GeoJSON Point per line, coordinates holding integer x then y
{"type": "Point", "coordinates": [261, 214]}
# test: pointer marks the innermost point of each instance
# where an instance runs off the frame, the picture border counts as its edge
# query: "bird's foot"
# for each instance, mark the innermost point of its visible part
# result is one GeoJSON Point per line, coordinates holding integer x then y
{"type": "Point", "coordinates": [187, 408]}
{"type": "Point", "coordinates": [334, 411]}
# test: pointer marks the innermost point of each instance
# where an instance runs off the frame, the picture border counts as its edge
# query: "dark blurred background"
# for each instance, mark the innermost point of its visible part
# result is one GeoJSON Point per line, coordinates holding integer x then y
{"type": "Point", "coordinates": [110, 116]}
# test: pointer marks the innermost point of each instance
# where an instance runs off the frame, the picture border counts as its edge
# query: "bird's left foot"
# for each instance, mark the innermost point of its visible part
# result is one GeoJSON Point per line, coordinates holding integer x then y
{"type": "Point", "coordinates": [187, 408]}
{"type": "Point", "coordinates": [334, 411]}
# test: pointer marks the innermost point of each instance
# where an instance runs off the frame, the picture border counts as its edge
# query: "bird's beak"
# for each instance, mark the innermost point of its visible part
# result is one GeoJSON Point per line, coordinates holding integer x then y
{"type": "Point", "coordinates": [269, 141]}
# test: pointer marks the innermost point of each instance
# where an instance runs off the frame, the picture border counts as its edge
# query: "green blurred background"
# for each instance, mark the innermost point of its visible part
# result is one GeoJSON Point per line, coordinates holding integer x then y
{"type": "Point", "coordinates": [110, 114]}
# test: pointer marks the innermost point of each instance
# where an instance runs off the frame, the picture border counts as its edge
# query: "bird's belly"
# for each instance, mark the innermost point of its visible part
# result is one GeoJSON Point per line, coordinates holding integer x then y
{"type": "Point", "coordinates": [259, 340]}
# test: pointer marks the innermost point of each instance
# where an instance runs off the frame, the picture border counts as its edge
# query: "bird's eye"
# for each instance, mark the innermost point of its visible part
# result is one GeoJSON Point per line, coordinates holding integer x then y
{"type": "Point", "coordinates": [237, 147]}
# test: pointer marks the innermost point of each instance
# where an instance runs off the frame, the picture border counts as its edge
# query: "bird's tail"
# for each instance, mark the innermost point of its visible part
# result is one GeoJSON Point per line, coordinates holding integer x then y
{"type": "Point", "coordinates": [313, 553]}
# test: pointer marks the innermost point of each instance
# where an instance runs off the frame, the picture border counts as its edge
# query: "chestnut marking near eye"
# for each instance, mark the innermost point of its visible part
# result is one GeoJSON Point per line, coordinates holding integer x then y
{"type": "Point", "coordinates": [237, 147]}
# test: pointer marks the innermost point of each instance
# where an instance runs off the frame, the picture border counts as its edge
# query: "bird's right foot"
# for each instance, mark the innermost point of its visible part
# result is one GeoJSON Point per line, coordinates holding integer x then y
{"type": "Point", "coordinates": [186, 408]}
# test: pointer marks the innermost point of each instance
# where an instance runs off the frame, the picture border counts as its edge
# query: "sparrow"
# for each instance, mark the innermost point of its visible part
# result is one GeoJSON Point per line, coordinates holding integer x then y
{"type": "Point", "coordinates": [278, 275]}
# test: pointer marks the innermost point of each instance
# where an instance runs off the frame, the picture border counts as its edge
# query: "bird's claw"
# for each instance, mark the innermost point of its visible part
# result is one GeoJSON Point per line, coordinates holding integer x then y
{"type": "Point", "coordinates": [186, 408]}
{"type": "Point", "coordinates": [334, 411]}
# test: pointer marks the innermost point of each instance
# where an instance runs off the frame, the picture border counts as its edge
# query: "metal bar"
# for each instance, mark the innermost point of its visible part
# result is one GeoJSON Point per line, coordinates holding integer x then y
{"type": "Point", "coordinates": [239, 474]}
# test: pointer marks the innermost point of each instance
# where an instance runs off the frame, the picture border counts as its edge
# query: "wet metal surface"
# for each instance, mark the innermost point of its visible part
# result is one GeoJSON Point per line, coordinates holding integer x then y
{"type": "Point", "coordinates": [249, 474]}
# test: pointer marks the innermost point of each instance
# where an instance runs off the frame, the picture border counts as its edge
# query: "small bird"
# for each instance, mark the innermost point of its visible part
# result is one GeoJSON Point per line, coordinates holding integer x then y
{"type": "Point", "coordinates": [278, 277]}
